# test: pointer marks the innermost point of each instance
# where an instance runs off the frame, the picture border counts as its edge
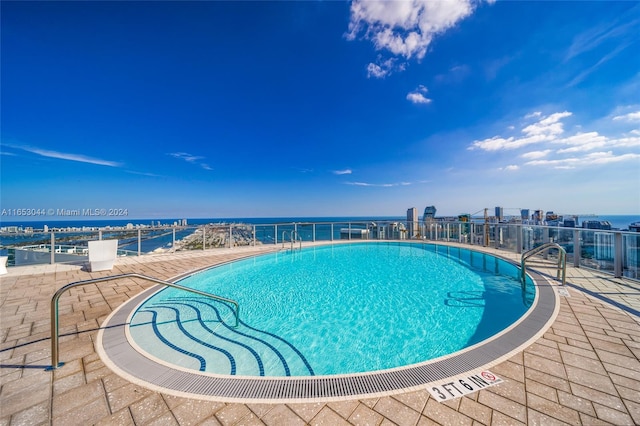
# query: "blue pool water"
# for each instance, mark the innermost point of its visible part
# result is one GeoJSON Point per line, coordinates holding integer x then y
{"type": "Point", "coordinates": [337, 309]}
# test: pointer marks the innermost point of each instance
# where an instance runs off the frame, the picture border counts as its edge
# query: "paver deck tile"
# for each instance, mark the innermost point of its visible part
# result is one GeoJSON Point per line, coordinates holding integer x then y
{"type": "Point", "coordinates": [149, 408]}
{"type": "Point", "coordinates": [541, 390]}
{"type": "Point", "coordinates": [445, 415]}
{"type": "Point", "coordinates": [232, 413]}
{"type": "Point", "coordinates": [416, 400]}
{"type": "Point", "coordinates": [327, 417]}
{"type": "Point", "coordinates": [397, 412]}
{"type": "Point", "coordinates": [633, 408]}
{"type": "Point", "coordinates": [590, 379]}
{"type": "Point", "coordinates": [306, 411]}
{"type": "Point", "coordinates": [503, 405]}
{"type": "Point", "coordinates": [500, 419]}
{"type": "Point", "coordinates": [344, 408]}
{"type": "Point", "coordinates": [476, 411]}
{"type": "Point", "coordinates": [597, 397]}
{"type": "Point", "coordinates": [365, 416]}
{"type": "Point", "coordinates": [613, 416]}
{"type": "Point", "coordinates": [579, 404]}
{"type": "Point", "coordinates": [553, 409]}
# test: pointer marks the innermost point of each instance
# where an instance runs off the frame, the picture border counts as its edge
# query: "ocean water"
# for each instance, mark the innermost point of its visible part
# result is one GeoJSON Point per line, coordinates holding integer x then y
{"type": "Point", "coordinates": [617, 221]}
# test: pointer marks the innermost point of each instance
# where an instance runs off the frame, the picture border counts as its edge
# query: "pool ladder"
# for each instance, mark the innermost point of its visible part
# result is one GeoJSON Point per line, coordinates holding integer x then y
{"type": "Point", "coordinates": [561, 266]}
{"type": "Point", "coordinates": [55, 360]}
{"type": "Point", "coordinates": [293, 238]}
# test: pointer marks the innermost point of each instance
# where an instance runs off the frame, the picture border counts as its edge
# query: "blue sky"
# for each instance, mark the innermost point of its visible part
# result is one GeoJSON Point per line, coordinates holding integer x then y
{"type": "Point", "coordinates": [279, 109]}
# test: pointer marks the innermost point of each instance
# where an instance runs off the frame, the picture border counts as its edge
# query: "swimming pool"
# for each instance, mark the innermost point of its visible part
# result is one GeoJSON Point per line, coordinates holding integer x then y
{"type": "Point", "coordinates": [336, 311]}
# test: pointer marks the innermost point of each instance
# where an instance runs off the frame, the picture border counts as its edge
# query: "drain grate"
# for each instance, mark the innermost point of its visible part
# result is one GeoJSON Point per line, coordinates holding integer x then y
{"type": "Point", "coordinates": [119, 355]}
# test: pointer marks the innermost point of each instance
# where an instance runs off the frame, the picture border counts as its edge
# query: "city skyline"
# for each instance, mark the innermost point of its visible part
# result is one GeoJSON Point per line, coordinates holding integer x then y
{"type": "Point", "coordinates": [319, 109]}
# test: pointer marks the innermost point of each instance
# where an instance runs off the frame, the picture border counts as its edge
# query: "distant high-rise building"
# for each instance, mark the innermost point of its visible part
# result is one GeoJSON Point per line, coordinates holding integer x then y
{"type": "Point", "coordinates": [596, 224]}
{"type": "Point", "coordinates": [524, 214]}
{"type": "Point", "coordinates": [537, 217]}
{"type": "Point", "coordinates": [429, 214]}
{"type": "Point", "coordinates": [412, 222]}
{"type": "Point", "coordinates": [499, 213]}
{"type": "Point", "coordinates": [46, 228]}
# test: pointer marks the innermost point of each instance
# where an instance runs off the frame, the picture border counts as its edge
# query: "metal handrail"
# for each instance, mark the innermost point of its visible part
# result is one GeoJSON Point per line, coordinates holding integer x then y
{"type": "Point", "coordinates": [292, 239]}
{"type": "Point", "coordinates": [562, 260]}
{"type": "Point", "coordinates": [55, 361]}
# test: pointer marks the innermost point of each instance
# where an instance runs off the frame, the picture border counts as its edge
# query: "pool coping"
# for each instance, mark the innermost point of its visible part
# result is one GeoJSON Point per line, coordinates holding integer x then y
{"type": "Point", "coordinates": [120, 356]}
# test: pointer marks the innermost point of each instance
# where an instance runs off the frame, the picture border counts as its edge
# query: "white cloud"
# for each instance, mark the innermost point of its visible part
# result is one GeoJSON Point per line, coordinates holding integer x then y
{"type": "Point", "coordinates": [583, 142]}
{"type": "Point", "coordinates": [560, 151]}
{"type": "Point", "coordinates": [404, 28]}
{"type": "Point", "coordinates": [375, 70]}
{"type": "Point", "coordinates": [544, 130]}
{"type": "Point", "coordinates": [379, 185]}
{"type": "Point", "coordinates": [193, 159]}
{"type": "Point", "coordinates": [590, 159]}
{"type": "Point", "coordinates": [67, 156]}
{"type": "Point", "coordinates": [342, 172]}
{"type": "Point", "coordinates": [631, 117]}
{"type": "Point", "coordinates": [511, 168]}
{"type": "Point", "coordinates": [549, 126]}
{"type": "Point", "coordinates": [418, 96]}
{"type": "Point", "coordinates": [606, 58]}
{"type": "Point", "coordinates": [598, 35]}
{"type": "Point", "coordinates": [536, 154]}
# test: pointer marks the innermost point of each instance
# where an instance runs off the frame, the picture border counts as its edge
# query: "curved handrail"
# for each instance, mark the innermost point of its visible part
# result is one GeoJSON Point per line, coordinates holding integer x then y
{"type": "Point", "coordinates": [283, 235]}
{"type": "Point", "coordinates": [562, 260]}
{"type": "Point", "coordinates": [55, 361]}
{"type": "Point", "coordinates": [294, 236]}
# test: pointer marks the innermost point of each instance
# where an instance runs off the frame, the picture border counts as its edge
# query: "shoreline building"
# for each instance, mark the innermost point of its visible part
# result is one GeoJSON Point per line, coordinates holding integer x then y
{"type": "Point", "coordinates": [413, 227]}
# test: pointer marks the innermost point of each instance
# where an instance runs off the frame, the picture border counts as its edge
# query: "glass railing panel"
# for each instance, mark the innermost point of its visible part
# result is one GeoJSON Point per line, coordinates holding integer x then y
{"type": "Point", "coordinates": [631, 255]}
{"type": "Point", "coordinates": [597, 250]}
{"type": "Point", "coordinates": [242, 235]}
{"type": "Point", "coordinates": [323, 232]}
{"type": "Point", "coordinates": [265, 234]}
{"type": "Point", "coordinates": [305, 231]}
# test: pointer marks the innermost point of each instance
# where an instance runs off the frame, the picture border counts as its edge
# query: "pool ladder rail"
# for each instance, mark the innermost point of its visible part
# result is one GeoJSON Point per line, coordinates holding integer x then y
{"type": "Point", "coordinates": [55, 361]}
{"type": "Point", "coordinates": [561, 265]}
{"type": "Point", "coordinates": [293, 238]}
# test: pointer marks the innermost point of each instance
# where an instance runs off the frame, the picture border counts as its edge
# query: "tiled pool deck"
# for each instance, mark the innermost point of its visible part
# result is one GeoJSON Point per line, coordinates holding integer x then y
{"type": "Point", "coordinates": [584, 370]}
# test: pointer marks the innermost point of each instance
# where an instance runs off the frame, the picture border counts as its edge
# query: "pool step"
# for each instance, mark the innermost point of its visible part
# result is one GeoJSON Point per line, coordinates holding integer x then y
{"type": "Point", "coordinates": [200, 333]}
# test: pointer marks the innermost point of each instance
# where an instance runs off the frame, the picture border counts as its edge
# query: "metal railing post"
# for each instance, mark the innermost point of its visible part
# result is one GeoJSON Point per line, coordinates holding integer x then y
{"type": "Point", "coordinates": [577, 248]}
{"type": "Point", "coordinates": [53, 248]}
{"type": "Point", "coordinates": [139, 241]}
{"type": "Point", "coordinates": [617, 255]}
{"type": "Point", "coordinates": [230, 236]}
{"type": "Point", "coordinates": [173, 238]}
